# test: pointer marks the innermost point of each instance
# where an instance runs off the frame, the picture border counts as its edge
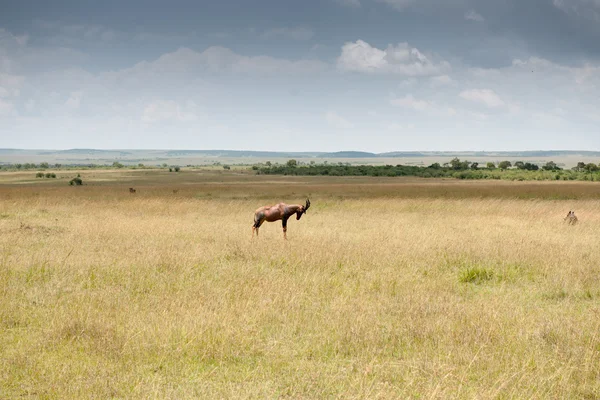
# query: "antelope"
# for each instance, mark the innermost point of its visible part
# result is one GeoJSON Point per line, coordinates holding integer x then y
{"type": "Point", "coordinates": [571, 218]}
{"type": "Point", "coordinates": [278, 212]}
{"type": "Point", "coordinates": [131, 190]}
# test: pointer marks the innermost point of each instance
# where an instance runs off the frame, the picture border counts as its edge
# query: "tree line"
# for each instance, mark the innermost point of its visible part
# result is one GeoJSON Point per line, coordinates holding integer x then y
{"type": "Point", "coordinates": [455, 168]}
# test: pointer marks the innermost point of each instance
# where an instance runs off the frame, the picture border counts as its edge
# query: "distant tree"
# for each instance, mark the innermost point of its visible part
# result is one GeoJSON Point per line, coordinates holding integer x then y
{"type": "Point", "coordinates": [226, 167]}
{"type": "Point", "coordinates": [164, 165]}
{"type": "Point", "coordinates": [177, 169]}
{"type": "Point", "coordinates": [490, 165]}
{"type": "Point", "coordinates": [39, 175]}
{"type": "Point", "coordinates": [591, 167]}
{"type": "Point", "coordinates": [170, 169]}
{"type": "Point", "coordinates": [435, 166]}
{"type": "Point", "coordinates": [550, 166]}
{"type": "Point", "coordinates": [503, 165]}
{"type": "Point", "coordinates": [44, 165]}
{"type": "Point", "coordinates": [292, 163]}
{"type": "Point", "coordinates": [475, 165]}
{"type": "Point", "coordinates": [456, 164]}
{"type": "Point", "coordinates": [57, 165]}
{"type": "Point", "coordinates": [18, 166]}
{"type": "Point", "coordinates": [268, 164]}
{"type": "Point", "coordinates": [117, 164]}
{"type": "Point", "coordinates": [580, 166]}
{"type": "Point", "coordinates": [520, 165]}
{"type": "Point", "coordinates": [141, 165]}
{"type": "Point", "coordinates": [530, 167]}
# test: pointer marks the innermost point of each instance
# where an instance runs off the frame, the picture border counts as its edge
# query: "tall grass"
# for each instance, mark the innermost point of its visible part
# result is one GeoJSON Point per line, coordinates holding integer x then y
{"type": "Point", "coordinates": [164, 295]}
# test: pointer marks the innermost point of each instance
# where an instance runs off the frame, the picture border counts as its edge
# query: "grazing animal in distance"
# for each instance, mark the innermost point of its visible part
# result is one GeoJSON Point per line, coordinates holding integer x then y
{"type": "Point", "coordinates": [175, 191]}
{"type": "Point", "coordinates": [278, 212]}
{"type": "Point", "coordinates": [571, 218]}
{"type": "Point", "coordinates": [131, 190]}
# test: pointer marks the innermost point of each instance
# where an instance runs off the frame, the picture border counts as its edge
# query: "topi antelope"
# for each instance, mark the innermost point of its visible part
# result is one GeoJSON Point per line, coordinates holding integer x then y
{"type": "Point", "coordinates": [131, 190]}
{"type": "Point", "coordinates": [571, 218]}
{"type": "Point", "coordinates": [278, 212]}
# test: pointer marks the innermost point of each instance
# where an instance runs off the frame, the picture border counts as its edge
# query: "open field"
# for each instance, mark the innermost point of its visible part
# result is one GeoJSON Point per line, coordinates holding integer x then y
{"type": "Point", "coordinates": [387, 288]}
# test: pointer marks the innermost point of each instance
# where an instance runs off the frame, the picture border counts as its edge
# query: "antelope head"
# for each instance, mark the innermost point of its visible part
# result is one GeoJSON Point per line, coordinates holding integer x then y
{"type": "Point", "coordinates": [302, 209]}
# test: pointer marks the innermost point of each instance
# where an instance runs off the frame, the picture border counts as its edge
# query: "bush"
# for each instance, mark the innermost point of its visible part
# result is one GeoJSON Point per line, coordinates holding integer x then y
{"type": "Point", "coordinates": [177, 169]}
{"type": "Point", "coordinates": [226, 167]}
{"type": "Point", "coordinates": [76, 181]}
{"type": "Point", "coordinates": [39, 175]}
{"type": "Point", "coordinates": [50, 175]}
{"type": "Point", "coordinates": [475, 275]}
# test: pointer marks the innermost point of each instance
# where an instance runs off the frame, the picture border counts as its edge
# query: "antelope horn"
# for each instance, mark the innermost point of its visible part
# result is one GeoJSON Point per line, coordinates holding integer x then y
{"type": "Point", "coordinates": [307, 205]}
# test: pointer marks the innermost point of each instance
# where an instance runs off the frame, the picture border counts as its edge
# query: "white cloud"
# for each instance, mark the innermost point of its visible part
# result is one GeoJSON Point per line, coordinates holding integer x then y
{"type": "Point", "coordinates": [349, 3]}
{"type": "Point", "coordinates": [396, 127]}
{"type": "Point", "coordinates": [169, 111]}
{"type": "Point", "coordinates": [401, 59]}
{"type": "Point", "coordinates": [7, 109]}
{"type": "Point", "coordinates": [337, 121]}
{"type": "Point", "coordinates": [30, 105]}
{"type": "Point", "coordinates": [474, 16]}
{"type": "Point", "coordinates": [216, 59]}
{"type": "Point", "coordinates": [442, 80]}
{"type": "Point", "coordinates": [10, 84]}
{"type": "Point", "coordinates": [484, 96]}
{"type": "Point", "coordinates": [409, 101]}
{"type": "Point", "coordinates": [424, 106]}
{"type": "Point", "coordinates": [298, 33]}
{"type": "Point", "coordinates": [74, 100]}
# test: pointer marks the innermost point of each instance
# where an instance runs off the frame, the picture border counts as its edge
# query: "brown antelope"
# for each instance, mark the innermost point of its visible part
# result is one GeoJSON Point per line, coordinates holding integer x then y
{"type": "Point", "coordinates": [131, 190]}
{"type": "Point", "coordinates": [571, 218]}
{"type": "Point", "coordinates": [278, 212]}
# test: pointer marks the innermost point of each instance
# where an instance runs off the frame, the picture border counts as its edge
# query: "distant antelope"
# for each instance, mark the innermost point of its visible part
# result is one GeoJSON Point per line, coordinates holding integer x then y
{"type": "Point", "coordinates": [131, 190]}
{"type": "Point", "coordinates": [571, 218]}
{"type": "Point", "coordinates": [175, 191]}
{"type": "Point", "coordinates": [278, 212]}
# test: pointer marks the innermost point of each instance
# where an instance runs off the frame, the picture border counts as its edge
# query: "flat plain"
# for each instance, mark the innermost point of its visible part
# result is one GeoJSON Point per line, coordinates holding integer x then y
{"type": "Point", "coordinates": [386, 288]}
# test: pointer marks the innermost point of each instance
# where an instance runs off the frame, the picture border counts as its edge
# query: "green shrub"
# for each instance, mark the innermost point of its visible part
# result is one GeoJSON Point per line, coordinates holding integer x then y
{"type": "Point", "coordinates": [39, 175]}
{"type": "Point", "coordinates": [475, 275]}
{"type": "Point", "coordinates": [76, 181]}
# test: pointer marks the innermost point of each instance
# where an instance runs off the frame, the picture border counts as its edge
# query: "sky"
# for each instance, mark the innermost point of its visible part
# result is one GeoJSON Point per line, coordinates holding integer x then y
{"type": "Point", "coordinates": [301, 75]}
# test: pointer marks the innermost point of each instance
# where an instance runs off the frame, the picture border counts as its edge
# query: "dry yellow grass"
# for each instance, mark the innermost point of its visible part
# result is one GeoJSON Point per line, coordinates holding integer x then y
{"type": "Point", "coordinates": [379, 293]}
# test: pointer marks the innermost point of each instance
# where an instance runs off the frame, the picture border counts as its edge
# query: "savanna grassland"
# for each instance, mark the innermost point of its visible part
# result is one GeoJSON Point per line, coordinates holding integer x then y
{"type": "Point", "coordinates": [386, 288]}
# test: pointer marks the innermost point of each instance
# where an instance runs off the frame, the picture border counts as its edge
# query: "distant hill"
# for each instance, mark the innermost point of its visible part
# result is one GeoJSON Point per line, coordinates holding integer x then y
{"type": "Point", "coordinates": [348, 154]}
{"type": "Point", "coordinates": [236, 153]}
{"type": "Point", "coordinates": [87, 152]}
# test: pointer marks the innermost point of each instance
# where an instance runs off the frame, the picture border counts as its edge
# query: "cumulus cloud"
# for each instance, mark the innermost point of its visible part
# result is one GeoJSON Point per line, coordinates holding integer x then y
{"type": "Point", "coordinates": [337, 121]}
{"type": "Point", "coordinates": [424, 106]}
{"type": "Point", "coordinates": [485, 96]}
{"type": "Point", "coordinates": [442, 80]}
{"type": "Point", "coordinates": [401, 59]}
{"type": "Point", "coordinates": [472, 15]}
{"type": "Point", "coordinates": [216, 59]}
{"type": "Point", "coordinates": [6, 109]}
{"type": "Point", "coordinates": [74, 100]}
{"type": "Point", "coordinates": [409, 101]}
{"type": "Point", "coordinates": [169, 111]}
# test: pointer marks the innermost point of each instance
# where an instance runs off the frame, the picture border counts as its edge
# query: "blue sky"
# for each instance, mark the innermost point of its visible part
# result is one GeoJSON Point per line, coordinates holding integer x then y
{"type": "Point", "coordinates": [372, 75]}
